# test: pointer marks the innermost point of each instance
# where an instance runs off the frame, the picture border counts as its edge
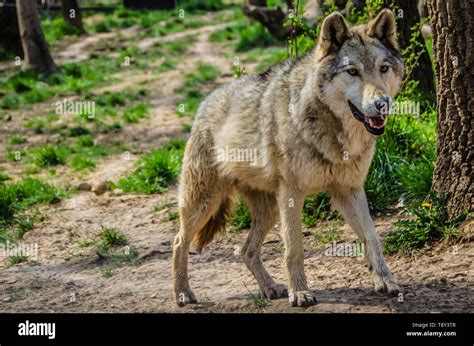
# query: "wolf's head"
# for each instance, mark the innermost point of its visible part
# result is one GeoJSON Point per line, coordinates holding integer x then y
{"type": "Point", "coordinates": [359, 69]}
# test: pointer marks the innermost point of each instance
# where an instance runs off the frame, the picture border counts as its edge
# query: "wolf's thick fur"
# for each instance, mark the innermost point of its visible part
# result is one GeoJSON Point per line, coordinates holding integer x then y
{"type": "Point", "coordinates": [297, 118]}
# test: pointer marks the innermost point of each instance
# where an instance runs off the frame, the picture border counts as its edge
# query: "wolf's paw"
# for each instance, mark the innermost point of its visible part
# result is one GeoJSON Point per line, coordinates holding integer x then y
{"type": "Point", "coordinates": [302, 298]}
{"type": "Point", "coordinates": [276, 291]}
{"type": "Point", "coordinates": [185, 297]}
{"type": "Point", "coordinates": [385, 284]}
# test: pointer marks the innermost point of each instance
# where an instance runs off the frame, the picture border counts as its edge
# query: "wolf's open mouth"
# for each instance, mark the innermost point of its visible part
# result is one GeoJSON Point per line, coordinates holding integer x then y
{"type": "Point", "coordinates": [375, 124]}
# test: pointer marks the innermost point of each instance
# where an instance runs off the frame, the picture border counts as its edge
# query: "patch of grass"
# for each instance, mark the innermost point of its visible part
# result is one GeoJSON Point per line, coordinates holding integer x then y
{"type": "Point", "coordinates": [155, 171]}
{"type": "Point", "coordinates": [430, 223]}
{"type": "Point", "coordinates": [204, 73]}
{"type": "Point", "coordinates": [16, 198]}
{"type": "Point", "coordinates": [78, 131]}
{"type": "Point", "coordinates": [56, 29]}
{"type": "Point", "coordinates": [134, 113]}
{"type": "Point", "coordinates": [17, 259]}
{"type": "Point", "coordinates": [332, 234]}
{"type": "Point", "coordinates": [48, 155]}
{"type": "Point", "coordinates": [403, 163]}
{"type": "Point", "coordinates": [162, 206]}
{"type": "Point", "coordinates": [271, 57]}
{"type": "Point", "coordinates": [186, 128]}
{"type": "Point", "coordinates": [173, 216]}
{"type": "Point", "coordinates": [110, 237]}
{"type": "Point", "coordinates": [241, 219]}
{"type": "Point", "coordinates": [252, 36]}
{"type": "Point", "coordinates": [30, 86]}
{"type": "Point", "coordinates": [113, 247]}
{"type": "Point", "coordinates": [258, 300]}
{"type": "Point", "coordinates": [16, 138]}
{"type": "Point", "coordinates": [192, 88]}
{"type": "Point", "coordinates": [315, 208]}
{"type": "Point", "coordinates": [190, 104]}
{"type": "Point", "coordinates": [166, 65]}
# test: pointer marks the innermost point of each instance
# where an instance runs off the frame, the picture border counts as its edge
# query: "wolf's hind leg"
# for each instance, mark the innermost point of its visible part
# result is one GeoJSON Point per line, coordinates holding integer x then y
{"type": "Point", "coordinates": [264, 213]}
{"type": "Point", "coordinates": [353, 207]}
{"type": "Point", "coordinates": [201, 209]}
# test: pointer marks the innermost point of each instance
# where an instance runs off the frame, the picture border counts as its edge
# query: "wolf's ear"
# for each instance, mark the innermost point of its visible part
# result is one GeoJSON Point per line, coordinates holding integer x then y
{"type": "Point", "coordinates": [384, 28]}
{"type": "Point", "coordinates": [334, 32]}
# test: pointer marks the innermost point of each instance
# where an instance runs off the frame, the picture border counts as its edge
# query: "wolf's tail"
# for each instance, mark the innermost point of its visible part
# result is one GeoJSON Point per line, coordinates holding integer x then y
{"type": "Point", "coordinates": [215, 225]}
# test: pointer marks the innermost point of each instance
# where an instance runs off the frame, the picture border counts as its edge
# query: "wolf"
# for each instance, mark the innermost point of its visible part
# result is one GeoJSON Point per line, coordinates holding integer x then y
{"type": "Point", "coordinates": [313, 124]}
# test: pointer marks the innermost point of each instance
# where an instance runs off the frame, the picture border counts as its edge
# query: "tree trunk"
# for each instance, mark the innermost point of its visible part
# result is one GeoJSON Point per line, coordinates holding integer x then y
{"type": "Point", "coordinates": [34, 45]}
{"type": "Point", "coordinates": [72, 14]}
{"type": "Point", "coordinates": [9, 35]}
{"type": "Point", "coordinates": [423, 70]}
{"type": "Point", "coordinates": [261, 3]}
{"type": "Point", "coordinates": [453, 46]}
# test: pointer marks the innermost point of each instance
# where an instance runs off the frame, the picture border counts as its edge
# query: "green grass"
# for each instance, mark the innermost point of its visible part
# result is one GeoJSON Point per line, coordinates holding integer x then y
{"type": "Point", "coordinates": [167, 65]}
{"type": "Point", "coordinates": [82, 154]}
{"type": "Point", "coordinates": [430, 223]}
{"type": "Point", "coordinates": [245, 34]}
{"type": "Point", "coordinates": [17, 259]}
{"type": "Point", "coordinates": [110, 237]}
{"type": "Point", "coordinates": [403, 163]}
{"type": "Point", "coordinates": [155, 171]}
{"type": "Point", "coordinates": [315, 208]}
{"type": "Point", "coordinates": [328, 236]}
{"type": "Point", "coordinates": [56, 29]}
{"type": "Point", "coordinates": [30, 86]}
{"type": "Point", "coordinates": [17, 197]}
{"type": "Point", "coordinates": [133, 114]}
{"type": "Point", "coordinates": [112, 246]}
{"type": "Point", "coordinates": [192, 87]}
{"type": "Point", "coordinates": [48, 155]}
{"type": "Point", "coordinates": [241, 219]}
{"type": "Point", "coordinates": [16, 138]}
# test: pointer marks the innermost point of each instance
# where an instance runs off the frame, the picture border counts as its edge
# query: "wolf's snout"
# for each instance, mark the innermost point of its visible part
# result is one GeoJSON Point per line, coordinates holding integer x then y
{"type": "Point", "coordinates": [383, 104]}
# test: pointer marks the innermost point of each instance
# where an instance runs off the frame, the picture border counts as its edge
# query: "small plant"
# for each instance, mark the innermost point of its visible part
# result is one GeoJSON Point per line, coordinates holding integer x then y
{"type": "Point", "coordinates": [155, 171]}
{"type": "Point", "coordinates": [110, 237]}
{"type": "Point", "coordinates": [258, 300]}
{"type": "Point", "coordinates": [134, 113]}
{"type": "Point", "coordinates": [173, 216]}
{"type": "Point", "coordinates": [17, 259]}
{"type": "Point", "coordinates": [315, 208]}
{"type": "Point", "coordinates": [332, 234]}
{"type": "Point", "coordinates": [241, 219]}
{"type": "Point", "coordinates": [431, 223]}
{"type": "Point", "coordinates": [16, 138]}
{"type": "Point", "coordinates": [48, 155]}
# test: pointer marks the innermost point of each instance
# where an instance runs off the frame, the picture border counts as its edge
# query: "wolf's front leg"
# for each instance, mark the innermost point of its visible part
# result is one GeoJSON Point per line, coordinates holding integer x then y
{"type": "Point", "coordinates": [353, 206]}
{"type": "Point", "coordinates": [291, 204]}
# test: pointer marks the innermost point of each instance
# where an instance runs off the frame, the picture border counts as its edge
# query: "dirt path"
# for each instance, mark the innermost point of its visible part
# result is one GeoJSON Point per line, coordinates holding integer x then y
{"type": "Point", "coordinates": [72, 278]}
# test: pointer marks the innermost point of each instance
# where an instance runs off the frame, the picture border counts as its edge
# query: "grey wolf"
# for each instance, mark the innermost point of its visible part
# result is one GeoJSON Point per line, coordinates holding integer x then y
{"type": "Point", "coordinates": [313, 123]}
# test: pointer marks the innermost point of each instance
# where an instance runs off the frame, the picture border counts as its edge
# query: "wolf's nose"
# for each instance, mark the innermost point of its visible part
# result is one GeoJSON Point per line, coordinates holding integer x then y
{"type": "Point", "coordinates": [382, 103]}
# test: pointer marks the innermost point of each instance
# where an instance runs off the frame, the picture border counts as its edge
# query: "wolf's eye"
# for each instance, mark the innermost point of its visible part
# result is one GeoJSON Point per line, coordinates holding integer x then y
{"type": "Point", "coordinates": [352, 72]}
{"type": "Point", "coordinates": [383, 68]}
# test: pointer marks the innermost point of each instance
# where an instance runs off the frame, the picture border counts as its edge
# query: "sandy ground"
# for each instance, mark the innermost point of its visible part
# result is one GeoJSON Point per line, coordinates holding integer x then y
{"type": "Point", "coordinates": [70, 278]}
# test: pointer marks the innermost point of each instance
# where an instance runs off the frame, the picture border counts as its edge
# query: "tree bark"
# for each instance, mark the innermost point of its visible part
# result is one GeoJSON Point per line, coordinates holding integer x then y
{"type": "Point", "coordinates": [453, 47]}
{"type": "Point", "coordinates": [9, 35]}
{"type": "Point", "coordinates": [261, 3]}
{"type": "Point", "coordinates": [34, 45]}
{"type": "Point", "coordinates": [423, 71]}
{"type": "Point", "coordinates": [272, 18]}
{"type": "Point", "coordinates": [72, 14]}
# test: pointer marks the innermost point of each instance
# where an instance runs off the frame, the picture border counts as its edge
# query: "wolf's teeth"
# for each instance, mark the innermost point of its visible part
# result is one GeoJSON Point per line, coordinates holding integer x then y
{"type": "Point", "coordinates": [371, 123]}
